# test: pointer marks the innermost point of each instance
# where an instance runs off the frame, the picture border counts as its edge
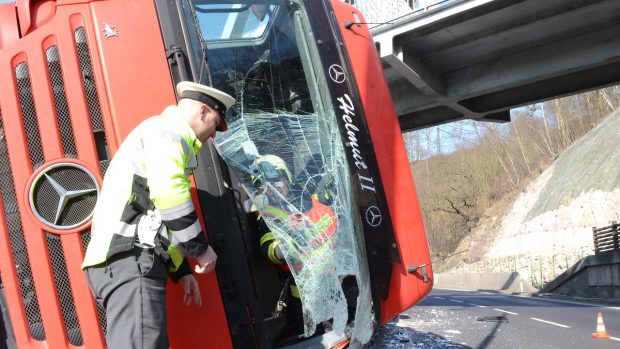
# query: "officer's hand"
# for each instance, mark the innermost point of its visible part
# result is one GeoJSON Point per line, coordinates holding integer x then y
{"type": "Point", "coordinates": [190, 286]}
{"type": "Point", "coordinates": [206, 261]}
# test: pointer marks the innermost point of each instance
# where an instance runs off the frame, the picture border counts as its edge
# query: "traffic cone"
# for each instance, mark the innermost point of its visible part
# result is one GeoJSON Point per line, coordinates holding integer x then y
{"type": "Point", "coordinates": [600, 328]}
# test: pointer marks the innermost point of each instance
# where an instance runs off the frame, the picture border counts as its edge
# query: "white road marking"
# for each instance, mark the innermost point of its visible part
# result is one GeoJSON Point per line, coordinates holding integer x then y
{"type": "Point", "coordinates": [614, 338]}
{"type": "Point", "coordinates": [549, 322]}
{"type": "Point", "coordinates": [455, 301]}
{"type": "Point", "coordinates": [590, 304]}
{"type": "Point", "coordinates": [438, 297]}
{"type": "Point", "coordinates": [477, 305]}
{"type": "Point", "coordinates": [505, 311]}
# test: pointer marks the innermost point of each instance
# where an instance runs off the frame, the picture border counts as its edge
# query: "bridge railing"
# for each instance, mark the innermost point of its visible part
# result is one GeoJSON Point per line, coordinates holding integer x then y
{"type": "Point", "coordinates": [606, 238]}
{"type": "Point", "coordinates": [393, 11]}
{"type": "Point", "coordinates": [425, 5]}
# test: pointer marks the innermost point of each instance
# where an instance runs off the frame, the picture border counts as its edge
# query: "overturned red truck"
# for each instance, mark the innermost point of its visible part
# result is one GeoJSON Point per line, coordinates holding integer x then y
{"type": "Point", "coordinates": [77, 75]}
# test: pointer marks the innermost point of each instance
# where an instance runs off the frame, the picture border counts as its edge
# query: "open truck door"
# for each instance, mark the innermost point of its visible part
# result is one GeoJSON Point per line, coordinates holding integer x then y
{"type": "Point", "coordinates": [77, 76]}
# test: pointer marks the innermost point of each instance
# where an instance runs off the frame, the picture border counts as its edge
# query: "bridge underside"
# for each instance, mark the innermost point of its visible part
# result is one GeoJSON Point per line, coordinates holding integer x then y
{"type": "Point", "coordinates": [477, 59]}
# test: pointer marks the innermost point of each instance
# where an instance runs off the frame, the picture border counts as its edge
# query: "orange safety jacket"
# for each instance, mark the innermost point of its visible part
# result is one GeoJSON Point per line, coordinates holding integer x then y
{"type": "Point", "coordinates": [318, 232]}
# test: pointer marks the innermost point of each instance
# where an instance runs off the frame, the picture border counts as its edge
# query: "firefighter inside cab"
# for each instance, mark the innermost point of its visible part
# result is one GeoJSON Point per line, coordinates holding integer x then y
{"type": "Point", "coordinates": [311, 224]}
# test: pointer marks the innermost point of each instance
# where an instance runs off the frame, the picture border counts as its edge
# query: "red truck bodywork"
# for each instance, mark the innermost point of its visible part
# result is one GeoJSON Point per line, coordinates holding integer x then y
{"type": "Point", "coordinates": [109, 86]}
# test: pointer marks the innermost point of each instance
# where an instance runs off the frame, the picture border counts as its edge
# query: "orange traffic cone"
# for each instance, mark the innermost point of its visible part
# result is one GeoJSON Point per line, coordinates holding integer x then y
{"type": "Point", "coordinates": [600, 328]}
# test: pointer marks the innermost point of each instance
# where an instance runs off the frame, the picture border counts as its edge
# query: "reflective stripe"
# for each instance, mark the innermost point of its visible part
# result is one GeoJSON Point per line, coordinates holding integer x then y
{"type": "Point", "coordinates": [180, 236]}
{"type": "Point", "coordinates": [178, 211]}
{"type": "Point", "coordinates": [177, 258]}
{"type": "Point", "coordinates": [276, 213]}
{"type": "Point", "coordinates": [125, 229]}
{"type": "Point", "coordinates": [272, 253]}
{"type": "Point", "coordinates": [295, 291]}
{"type": "Point", "coordinates": [267, 237]}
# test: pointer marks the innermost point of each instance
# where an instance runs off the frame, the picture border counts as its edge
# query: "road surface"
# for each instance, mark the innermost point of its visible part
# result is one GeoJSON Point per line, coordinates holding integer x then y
{"type": "Point", "coordinates": [462, 319]}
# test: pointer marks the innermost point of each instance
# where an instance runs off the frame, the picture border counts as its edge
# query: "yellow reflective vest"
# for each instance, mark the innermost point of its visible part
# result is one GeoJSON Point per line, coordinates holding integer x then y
{"type": "Point", "coordinates": [150, 170]}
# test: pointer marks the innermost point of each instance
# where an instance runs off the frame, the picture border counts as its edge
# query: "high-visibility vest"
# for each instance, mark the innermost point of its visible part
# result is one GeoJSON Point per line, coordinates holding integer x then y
{"type": "Point", "coordinates": [149, 171]}
{"type": "Point", "coordinates": [316, 237]}
{"type": "Point", "coordinates": [324, 222]}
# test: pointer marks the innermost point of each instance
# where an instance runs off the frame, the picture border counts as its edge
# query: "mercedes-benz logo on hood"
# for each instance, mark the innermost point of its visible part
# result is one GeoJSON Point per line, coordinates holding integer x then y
{"type": "Point", "coordinates": [63, 195]}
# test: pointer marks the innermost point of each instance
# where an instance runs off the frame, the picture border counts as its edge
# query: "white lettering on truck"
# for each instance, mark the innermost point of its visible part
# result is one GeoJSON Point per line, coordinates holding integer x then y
{"type": "Point", "coordinates": [348, 109]}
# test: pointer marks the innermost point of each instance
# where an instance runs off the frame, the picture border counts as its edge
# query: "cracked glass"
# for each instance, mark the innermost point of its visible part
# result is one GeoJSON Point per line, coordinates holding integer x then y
{"type": "Point", "coordinates": [285, 146]}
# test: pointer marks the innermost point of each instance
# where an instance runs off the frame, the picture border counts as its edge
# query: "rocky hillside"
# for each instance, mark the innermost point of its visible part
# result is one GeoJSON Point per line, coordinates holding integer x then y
{"type": "Point", "coordinates": [553, 217]}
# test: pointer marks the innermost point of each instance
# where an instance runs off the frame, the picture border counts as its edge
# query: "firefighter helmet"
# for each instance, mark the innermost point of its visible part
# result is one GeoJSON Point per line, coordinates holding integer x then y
{"type": "Point", "coordinates": [271, 167]}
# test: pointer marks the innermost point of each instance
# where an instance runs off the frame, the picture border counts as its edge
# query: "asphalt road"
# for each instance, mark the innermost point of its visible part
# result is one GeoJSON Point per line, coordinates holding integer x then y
{"type": "Point", "coordinates": [461, 319]}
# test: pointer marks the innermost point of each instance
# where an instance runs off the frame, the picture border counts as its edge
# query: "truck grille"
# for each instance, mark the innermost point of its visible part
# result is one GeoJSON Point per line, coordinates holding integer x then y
{"type": "Point", "coordinates": [44, 196]}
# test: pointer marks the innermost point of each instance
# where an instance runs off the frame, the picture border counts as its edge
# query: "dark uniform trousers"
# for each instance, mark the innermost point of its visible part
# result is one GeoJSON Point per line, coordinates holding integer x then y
{"type": "Point", "coordinates": [131, 288]}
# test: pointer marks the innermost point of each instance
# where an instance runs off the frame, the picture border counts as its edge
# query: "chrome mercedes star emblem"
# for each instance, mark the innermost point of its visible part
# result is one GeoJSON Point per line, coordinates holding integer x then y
{"type": "Point", "coordinates": [373, 216]}
{"type": "Point", "coordinates": [65, 195]}
{"type": "Point", "coordinates": [72, 173]}
{"type": "Point", "coordinates": [336, 73]}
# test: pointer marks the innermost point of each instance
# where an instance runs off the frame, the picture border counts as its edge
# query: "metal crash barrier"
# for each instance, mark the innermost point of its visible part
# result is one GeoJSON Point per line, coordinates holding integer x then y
{"type": "Point", "coordinates": [606, 238]}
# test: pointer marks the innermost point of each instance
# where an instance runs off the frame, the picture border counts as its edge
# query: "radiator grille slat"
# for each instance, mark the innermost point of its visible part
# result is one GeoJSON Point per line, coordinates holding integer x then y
{"type": "Point", "coordinates": [18, 244]}
{"type": "Point", "coordinates": [63, 288]}
{"type": "Point", "coordinates": [94, 107]}
{"type": "Point", "coordinates": [29, 114]}
{"type": "Point", "coordinates": [60, 102]}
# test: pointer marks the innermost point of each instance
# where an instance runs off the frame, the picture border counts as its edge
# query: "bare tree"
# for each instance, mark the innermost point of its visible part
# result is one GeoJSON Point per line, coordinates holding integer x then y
{"type": "Point", "coordinates": [457, 187]}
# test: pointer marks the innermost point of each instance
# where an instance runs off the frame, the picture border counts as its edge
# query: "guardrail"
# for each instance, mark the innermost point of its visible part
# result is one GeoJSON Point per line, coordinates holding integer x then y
{"type": "Point", "coordinates": [606, 238]}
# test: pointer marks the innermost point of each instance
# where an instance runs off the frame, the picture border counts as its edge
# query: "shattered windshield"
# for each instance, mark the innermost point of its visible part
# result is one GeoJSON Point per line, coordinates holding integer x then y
{"type": "Point", "coordinates": [284, 144]}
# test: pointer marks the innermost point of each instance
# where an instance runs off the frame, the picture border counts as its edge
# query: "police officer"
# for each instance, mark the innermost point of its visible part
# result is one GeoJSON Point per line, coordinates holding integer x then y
{"type": "Point", "coordinates": [145, 222]}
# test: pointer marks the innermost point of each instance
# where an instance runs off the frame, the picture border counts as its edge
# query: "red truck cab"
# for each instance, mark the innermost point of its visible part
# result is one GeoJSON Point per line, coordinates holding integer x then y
{"type": "Point", "coordinates": [78, 75]}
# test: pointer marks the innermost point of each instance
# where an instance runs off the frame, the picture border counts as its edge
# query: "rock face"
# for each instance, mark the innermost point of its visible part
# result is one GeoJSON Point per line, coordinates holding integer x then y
{"type": "Point", "coordinates": [556, 213]}
{"type": "Point", "coordinates": [548, 227]}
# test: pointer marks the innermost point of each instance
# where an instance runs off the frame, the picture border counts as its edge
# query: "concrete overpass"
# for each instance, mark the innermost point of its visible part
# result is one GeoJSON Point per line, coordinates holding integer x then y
{"type": "Point", "coordinates": [476, 59]}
